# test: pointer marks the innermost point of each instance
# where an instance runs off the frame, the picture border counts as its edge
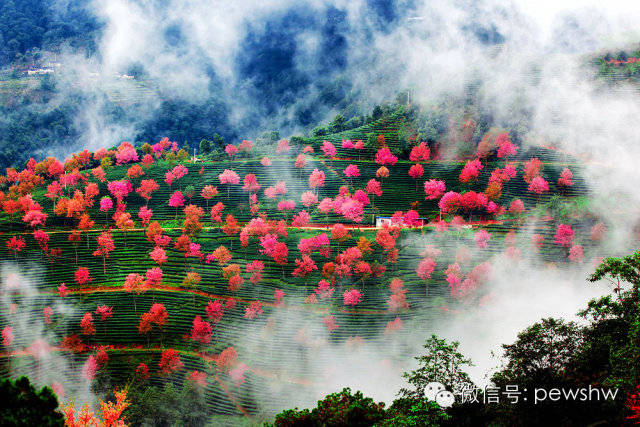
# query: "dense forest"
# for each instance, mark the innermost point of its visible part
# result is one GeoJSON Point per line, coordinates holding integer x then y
{"type": "Point", "coordinates": [32, 25]}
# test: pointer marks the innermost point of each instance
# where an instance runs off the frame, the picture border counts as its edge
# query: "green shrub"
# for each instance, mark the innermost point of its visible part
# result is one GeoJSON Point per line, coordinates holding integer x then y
{"type": "Point", "coordinates": [336, 409]}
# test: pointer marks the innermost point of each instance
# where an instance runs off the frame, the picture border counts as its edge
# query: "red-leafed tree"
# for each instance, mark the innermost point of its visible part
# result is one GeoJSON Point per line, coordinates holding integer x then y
{"type": "Point", "coordinates": [147, 188]}
{"type": "Point", "coordinates": [82, 276]}
{"type": "Point", "coordinates": [215, 311]}
{"type": "Point", "coordinates": [170, 361]}
{"type": "Point", "coordinates": [16, 244]}
{"type": "Point", "coordinates": [208, 192]}
{"type": "Point", "coordinates": [201, 331]}
{"type": "Point", "coordinates": [86, 323]}
{"type": "Point", "coordinates": [105, 246]}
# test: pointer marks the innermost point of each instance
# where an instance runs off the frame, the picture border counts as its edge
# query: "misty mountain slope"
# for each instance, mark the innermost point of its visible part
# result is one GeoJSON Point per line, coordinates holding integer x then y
{"type": "Point", "coordinates": [288, 323]}
{"type": "Point", "coordinates": [308, 192]}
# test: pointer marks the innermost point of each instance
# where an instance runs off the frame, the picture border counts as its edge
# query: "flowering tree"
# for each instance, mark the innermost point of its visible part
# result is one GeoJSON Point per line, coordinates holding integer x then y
{"type": "Point", "coordinates": [328, 149]}
{"type": "Point", "coordinates": [254, 310]}
{"type": "Point", "coordinates": [147, 188]}
{"type": "Point", "coordinates": [537, 240]}
{"type": "Point", "coordinates": [286, 205]}
{"type": "Point", "coordinates": [208, 192]}
{"type": "Point", "coordinates": [505, 146]}
{"type": "Point", "coordinates": [382, 172]}
{"type": "Point", "coordinates": [145, 215]}
{"type": "Point", "coordinates": [62, 290]}
{"type": "Point", "coordinates": [278, 295]}
{"type": "Point", "coordinates": [157, 315]}
{"type": "Point", "coordinates": [482, 237]}
{"type": "Point", "coordinates": [564, 235]}
{"type": "Point", "coordinates": [450, 202]}
{"type": "Point", "coordinates": [300, 162]}
{"type": "Point", "coordinates": [425, 270]}
{"type": "Point", "coordinates": [201, 331]}
{"type": "Point", "coordinates": [82, 276]}
{"type": "Point", "coordinates": [120, 189]}
{"type": "Point", "coordinates": [516, 207]}
{"type": "Point", "coordinates": [308, 199]}
{"type": "Point", "coordinates": [229, 177]}
{"type": "Point", "coordinates": [246, 146]}
{"type": "Point", "coordinates": [86, 323]}
{"type": "Point", "coordinates": [221, 255]}
{"type": "Point", "coordinates": [351, 171]}
{"type": "Point", "coordinates": [216, 212]}
{"type": "Point", "coordinates": [415, 172]}
{"type": "Point", "coordinates": [532, 169]}
{"type": "Point", "coordinates": [170, 361]}
{"type": "Point", "coordinates": [231, 150]}
{"type": "Point", "coordinates": [471, 171]}
{"type": "Point", "coordinates": [352, 297]}
{"type": "Point", "coordinates": [7, 336]}
{"type": "Point", "coordinates": [384, 157]}
{"type": "Point", "coordinates": [566, 178]}
{"type": "Point", "coordinates": [153, 277]}
{"type": "Point", "coordinates": [434, 189]}
{"type": "Point", "coordinates": [305, 266]}
{"type": "Point", "coordinates": [316, 179]}
{"type": "Point", "coordinates": [134, 282]}
{"type": "Point", "coordinates": [142, 372]}
{"type": "Point", "coordinates": [105, 246]}
{"type": "Point", "coordinates": [215, 311]}
{"type": "Point", "coordinates": [16, 244]}
{"type": "Point", "coordinates": [330, 323]}
{"type": "Point", "coordinates": [420, 153]}
{"type": "Point", "coordinates": [283, 146]}
{"type": "Point", "coordinates": [398, 299]}
{"type": "Point", "coordinates": [538, 185]}
{"type": "Point", "coordinates": [176, 200]}
{"type": "Point", "coordinates": [104, 311]}
{"type": "Point", "coordinates": [324, 289]}
{"type": "Point", "coordinates": [110, 412]}
{"type": "Point", "coordinates": [576, 254]}
{"type": "Point", "coordinates": [42, 237]}
{"type": "Point", "coordinates": [89, 369]}
{"type": "Point", "coordinates": [598, 231]}
{"type": "Point", "coordinates": [251, 183]}
{"type": "Point", "coordinates": [126, 154]}
{"type": "Point", "coordinates": [255, 267]}
{"type": "Point", "coordinates": [158, 255]}
{"type": "Point", "coordinates": [301, 219]}
{"type": "Point", "coordinates": [106, 204]}
{"type": "Point", "coordinates": [278, 251]}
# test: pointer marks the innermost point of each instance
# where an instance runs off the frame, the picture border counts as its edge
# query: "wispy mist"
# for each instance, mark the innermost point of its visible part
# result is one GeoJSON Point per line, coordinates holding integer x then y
{"type": "Point", "coordinates": [269, 66]}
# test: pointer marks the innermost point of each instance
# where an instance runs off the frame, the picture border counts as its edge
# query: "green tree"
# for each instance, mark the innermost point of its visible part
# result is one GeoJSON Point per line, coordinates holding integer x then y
{"type": "Point", "coordinates": [556, 354]}
{"type": "Point", "coordinates": [441, 363]}
{"type": "Point", "coordinates": [205, 146]}
{"type": "Point", "coordinates": [218, 140]}
{"type": "Point", "coordinates": [296, 140]}
{"type": "Point", "coordinates": [540, 354]}
{"type": "Point", "coordinates": [377, 113]}
{"type": "Point", "coordinates": [415, 413]}
{"type": "Point", "coordinates": [167, 406]}
{"type": "Point", "coordinates": [319, 131]}
{"type": "Point", "coordinates": [22, 405]}
{"type": "Point", "coordinates": [337, 124]}
{"type": "Point", "coordinates": [335, 410]}
{"type": "Point", "coordinates": [616, 321]}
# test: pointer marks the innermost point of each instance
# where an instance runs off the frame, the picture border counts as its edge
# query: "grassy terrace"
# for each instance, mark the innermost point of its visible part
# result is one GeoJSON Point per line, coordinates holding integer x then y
{"type": "Point", "coordinates": [366, 320]}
